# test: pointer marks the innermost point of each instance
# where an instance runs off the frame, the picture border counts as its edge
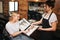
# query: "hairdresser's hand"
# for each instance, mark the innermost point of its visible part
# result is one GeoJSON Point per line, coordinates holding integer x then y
{"type": "Point", "coordinates": [32, 24]}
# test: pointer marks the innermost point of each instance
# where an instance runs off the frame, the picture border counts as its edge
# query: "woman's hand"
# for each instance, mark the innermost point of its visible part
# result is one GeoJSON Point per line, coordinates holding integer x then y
{"type": "Point", "coordinates": [25, 31]}
{"type": "Point", "coordinates": [22, 31]}
{"type": "Point", "coordinates": [40, 28]}
{"type": "Point", "coordinates": [33, 24]}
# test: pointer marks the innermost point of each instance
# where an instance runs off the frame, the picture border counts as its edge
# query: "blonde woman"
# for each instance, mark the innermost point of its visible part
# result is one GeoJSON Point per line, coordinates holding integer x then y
{"type": "Point", "coordinates": [13, 28]}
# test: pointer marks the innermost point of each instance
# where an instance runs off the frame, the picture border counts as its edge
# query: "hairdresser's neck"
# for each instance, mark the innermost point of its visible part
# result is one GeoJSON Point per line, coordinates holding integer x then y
{"type": "Point", "coordinates": [49, 12]}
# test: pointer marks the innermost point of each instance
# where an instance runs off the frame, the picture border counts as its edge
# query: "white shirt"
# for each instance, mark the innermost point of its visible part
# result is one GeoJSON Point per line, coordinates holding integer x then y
{"type": "Point", "coordinates": [12, 27]}
{"type": "Point", "coordinates": [53, 18]}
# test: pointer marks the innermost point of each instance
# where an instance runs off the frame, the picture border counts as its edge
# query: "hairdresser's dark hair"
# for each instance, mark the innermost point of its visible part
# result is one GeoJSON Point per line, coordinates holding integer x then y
{"type": "Point", "coordinates": [50, 3]}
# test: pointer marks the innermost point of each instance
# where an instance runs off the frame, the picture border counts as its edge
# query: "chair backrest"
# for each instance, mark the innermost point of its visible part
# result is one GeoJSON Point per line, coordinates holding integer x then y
{"type": "Point", "coordinates": [6, 34]}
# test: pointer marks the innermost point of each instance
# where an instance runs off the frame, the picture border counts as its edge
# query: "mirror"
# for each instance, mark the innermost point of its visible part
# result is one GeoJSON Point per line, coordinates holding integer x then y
{"type": "Point", "coordinates": [35, 11]}
{"type": "Point", "coordinates": [36, 6]}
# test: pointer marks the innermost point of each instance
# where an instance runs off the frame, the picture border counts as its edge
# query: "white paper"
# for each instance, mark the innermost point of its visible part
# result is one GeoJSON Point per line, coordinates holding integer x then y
{"type": "Point", "coordinates": [31, 30]}
{"type": "Point", "coordinates": [24, 24]}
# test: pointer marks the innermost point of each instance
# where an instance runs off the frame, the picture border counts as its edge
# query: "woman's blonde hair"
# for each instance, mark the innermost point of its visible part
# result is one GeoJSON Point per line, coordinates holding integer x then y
{"type": "Point", "coordinates": [12, 14]}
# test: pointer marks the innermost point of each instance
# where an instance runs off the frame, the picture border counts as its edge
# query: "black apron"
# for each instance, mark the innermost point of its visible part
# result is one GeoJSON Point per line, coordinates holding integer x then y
{"type": "Point", "coordinates": [46, 35]}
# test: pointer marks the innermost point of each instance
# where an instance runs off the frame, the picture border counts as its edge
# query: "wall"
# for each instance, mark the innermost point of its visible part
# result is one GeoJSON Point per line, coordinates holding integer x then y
{"type": "Point", "coordinates": [1, 7]}
{"type": "Point", "coordinates": [6, 7]}
{"type": "Point", "coordinates": [57, 11]}
{"type": "Point", "coordinates": [23, 8]}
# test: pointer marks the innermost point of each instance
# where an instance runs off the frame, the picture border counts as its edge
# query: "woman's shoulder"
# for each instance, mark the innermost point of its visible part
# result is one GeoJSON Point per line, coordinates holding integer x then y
{"type": "Point", "coordinates": [7, 24]}
{"type": "Point", "coordinates": [53, 15]}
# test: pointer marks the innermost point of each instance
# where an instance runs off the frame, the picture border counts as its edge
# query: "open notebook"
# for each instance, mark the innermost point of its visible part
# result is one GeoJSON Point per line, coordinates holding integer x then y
{"type": "Point", "coordinates": [25, 25]}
